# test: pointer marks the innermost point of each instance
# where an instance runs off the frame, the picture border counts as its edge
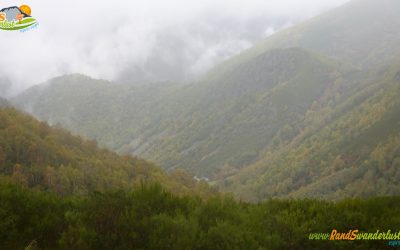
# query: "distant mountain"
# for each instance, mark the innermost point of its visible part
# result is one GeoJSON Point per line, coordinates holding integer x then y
{"type": "Point", "coordinates": [202, 127]}
{"type": "Point", "coordinates": [228, 120]}
{"type": "Point", "coordinates": [363, 33]}
{"type": "Point", "coordinates": [112, 114]}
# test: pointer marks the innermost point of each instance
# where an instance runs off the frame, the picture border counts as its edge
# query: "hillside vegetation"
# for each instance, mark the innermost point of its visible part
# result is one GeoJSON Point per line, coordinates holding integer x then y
{"type": "Point", "coordinates": [342, 152]}
{"type": "Point", "coordinates": [58, 191]}
{"type": "Point", "coordinates": [38, 156]}
{"type": "Point", "coordinates": [151, 218]}
{"type": "Point", "coordinates": [201, 127]}
{"type": "Point", "coordinates": [297, 137]}
{"type": "Point", "coordinates": [309, 111]}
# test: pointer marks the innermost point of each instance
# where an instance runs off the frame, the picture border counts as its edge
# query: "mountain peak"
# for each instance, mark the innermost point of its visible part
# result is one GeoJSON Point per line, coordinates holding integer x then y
{"type": "Point", "coordinates": [363, 33]}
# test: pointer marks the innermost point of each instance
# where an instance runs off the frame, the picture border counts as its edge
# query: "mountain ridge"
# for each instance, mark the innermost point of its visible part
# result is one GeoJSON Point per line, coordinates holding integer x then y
{"type": "Point", "coordinates": [236, 124]}
{"type": "Point", "coordinates": [338, 41]}
{"type": "Point", "coordinates": [281, 72]}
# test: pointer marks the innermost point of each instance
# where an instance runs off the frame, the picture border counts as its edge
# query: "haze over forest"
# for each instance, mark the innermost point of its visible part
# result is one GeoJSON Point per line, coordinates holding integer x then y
{"type": "Point", "coordinates": [212, 125]}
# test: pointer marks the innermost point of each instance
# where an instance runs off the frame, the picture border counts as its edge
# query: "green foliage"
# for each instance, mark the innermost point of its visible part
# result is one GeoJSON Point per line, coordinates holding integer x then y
{"type": "Point", "coordinates": [350, 151]}
{"type": "Point", "coordinates": [275, 121]}
{"type": "Point", "coordinates": [152, 218]}
{"type": "Point", "coordinates": [200, 127]}
{"type": "Point", "coordinates": [36, 155]}
{"type": "Point", "coordinates": [307, 128]}
{"type": "Point", "coordinates": [29, 215]}
{"type": "Point", "coordinates": [309, 111]}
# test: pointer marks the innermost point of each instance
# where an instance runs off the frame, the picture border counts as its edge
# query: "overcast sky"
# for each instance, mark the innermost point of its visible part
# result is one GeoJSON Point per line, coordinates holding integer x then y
{"type": "Point", "coordinates": [137, 41]}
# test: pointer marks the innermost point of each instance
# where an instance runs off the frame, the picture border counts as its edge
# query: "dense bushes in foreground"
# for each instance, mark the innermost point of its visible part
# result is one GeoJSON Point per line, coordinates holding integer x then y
{"type": "Point", "coordinates": [151, 218]}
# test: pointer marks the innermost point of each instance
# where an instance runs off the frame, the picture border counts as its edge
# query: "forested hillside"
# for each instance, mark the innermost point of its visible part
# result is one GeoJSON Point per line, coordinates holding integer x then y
{"type": "Point", "coordinates": [36, 155]}
{"type": "Point", "coordinates": [114, 115]}
{"type": "Point", "coordinates": [203, 127]}
{"type": "Point", "coordinates": [278, 147]}
{"type": "Point", "coordinates": [58, 191]}
{"type": "Point", "coordinates": [352, 150]}
{"type": "Point", "coordinates": [303, 113]}
{"type": "Point", "coordinates": [227, 121]}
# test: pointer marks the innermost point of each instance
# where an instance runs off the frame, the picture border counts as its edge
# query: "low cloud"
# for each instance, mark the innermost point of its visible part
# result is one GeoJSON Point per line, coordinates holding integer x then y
{"type": "Point", "coordinates": [139, 41]}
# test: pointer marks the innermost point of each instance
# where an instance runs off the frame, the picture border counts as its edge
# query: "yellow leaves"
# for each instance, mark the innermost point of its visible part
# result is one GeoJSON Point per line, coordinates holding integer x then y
{"type": "Point", "coordinates": [19, 175]}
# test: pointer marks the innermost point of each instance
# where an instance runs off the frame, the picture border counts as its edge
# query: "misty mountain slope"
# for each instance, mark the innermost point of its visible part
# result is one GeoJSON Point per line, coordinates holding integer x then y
{"type": "Point", "coordinates": [5, 86]}
{"type": "Point", "coordinates": [363, 33]}
{"type": "Point", "coordinates": [232, 118]}
{"type": "Point", "coordinates": [38, 156]}
{"type": "Point", "coordinates": [269, 122]}
{"type": "Point", "coordinates": [4, 103]}
{"type": "Point", "coordinates": [356, 154]}
{"type": "Point", "coordinates": [110, 113]}
{"type": "Point", "coordinates": [202, 127]}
